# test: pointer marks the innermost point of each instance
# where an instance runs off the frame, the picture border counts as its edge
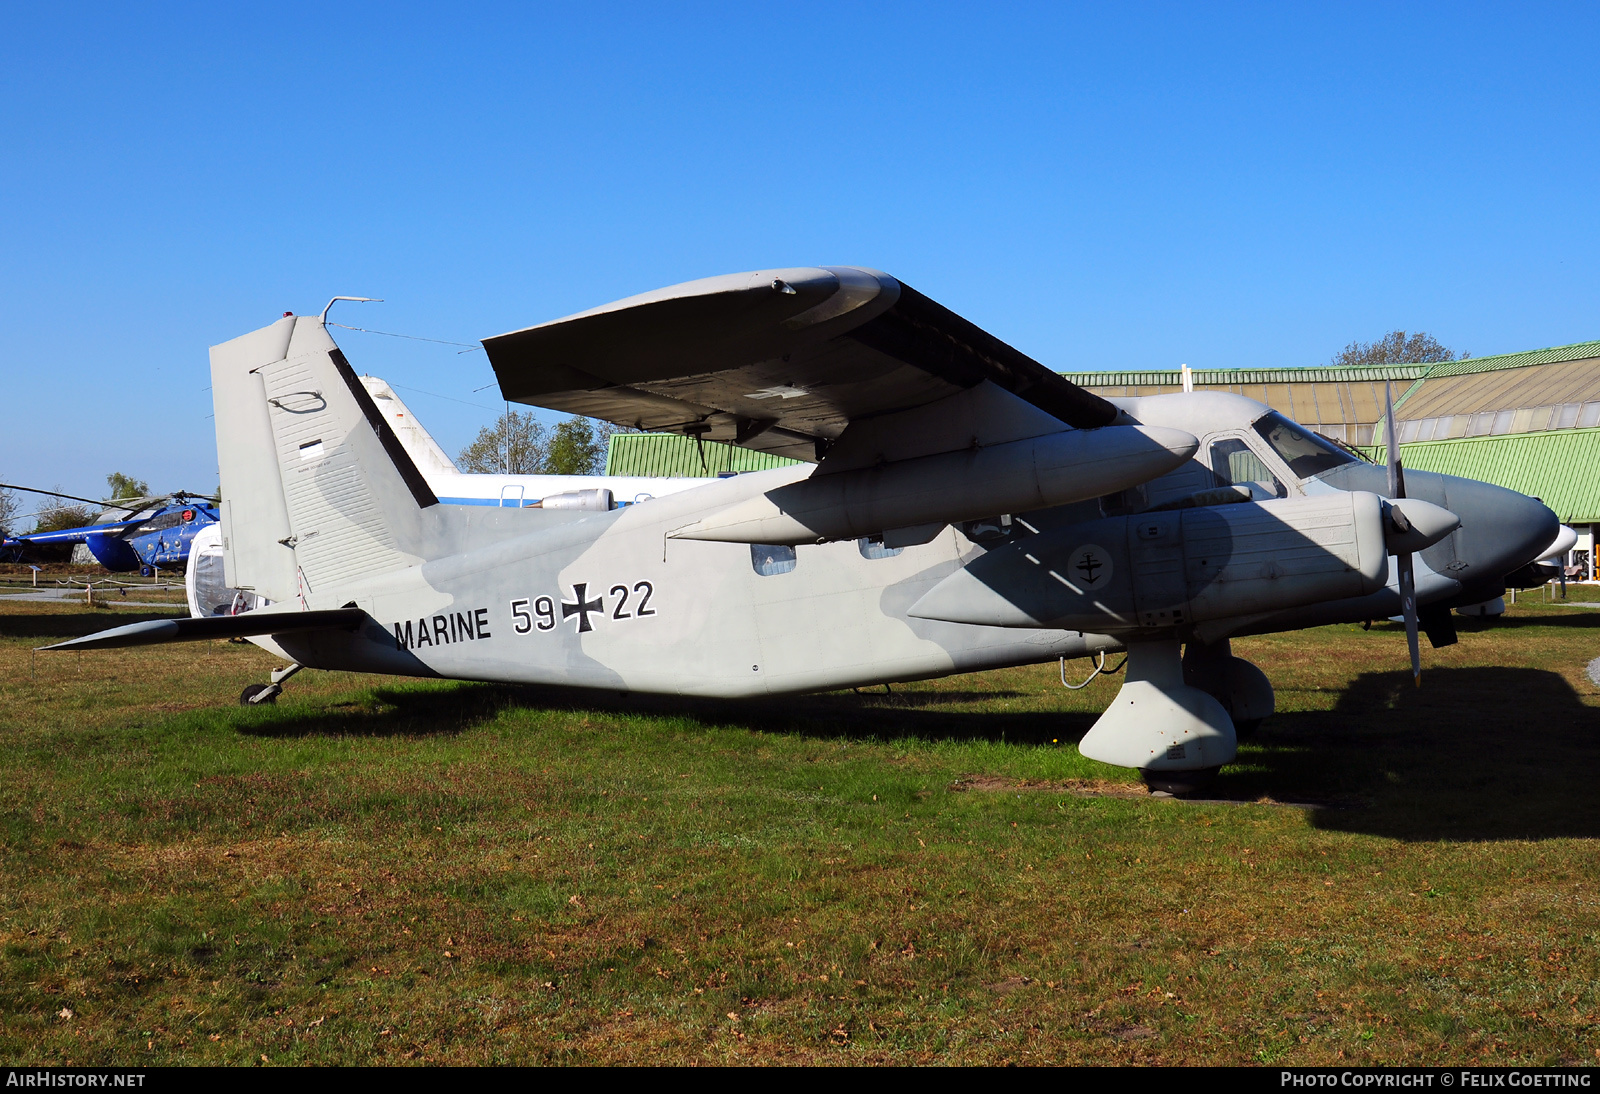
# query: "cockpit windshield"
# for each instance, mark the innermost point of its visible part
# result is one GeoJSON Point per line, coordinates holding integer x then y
{"type": "Point", "coordinates": [1306, 453]}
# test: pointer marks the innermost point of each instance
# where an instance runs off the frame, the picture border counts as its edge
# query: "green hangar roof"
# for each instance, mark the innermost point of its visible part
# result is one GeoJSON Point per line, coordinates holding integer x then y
{"type": "Point", "coordinates": [672, 455]}
{"type": "Point", "coordinates": [1347, 403]}
{"type": "Point", "coordinates": [1529, 421]}
{"type": "Point", "coordinates": [1556, 467]}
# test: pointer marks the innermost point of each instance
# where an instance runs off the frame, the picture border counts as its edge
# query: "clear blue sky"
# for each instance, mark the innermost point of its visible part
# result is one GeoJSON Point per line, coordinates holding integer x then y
{"type": "Point", "coordinates": [1113, 186]}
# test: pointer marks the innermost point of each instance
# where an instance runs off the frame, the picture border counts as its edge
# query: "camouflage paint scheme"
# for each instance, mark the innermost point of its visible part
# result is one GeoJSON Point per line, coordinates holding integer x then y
{"type": "Point", "coordinates": [995, 516]}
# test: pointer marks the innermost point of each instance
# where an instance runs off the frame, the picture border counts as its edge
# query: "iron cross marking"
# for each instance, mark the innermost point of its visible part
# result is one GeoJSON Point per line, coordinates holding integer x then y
{"type": "Point", "coordinates": [1090, 566]}
{"type": "Point", "coordinates": [582, 608]}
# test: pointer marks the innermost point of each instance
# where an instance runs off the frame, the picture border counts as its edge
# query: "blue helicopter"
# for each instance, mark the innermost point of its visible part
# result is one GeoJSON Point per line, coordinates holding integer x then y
{"type": "Point", "coordinates": [154, 535]}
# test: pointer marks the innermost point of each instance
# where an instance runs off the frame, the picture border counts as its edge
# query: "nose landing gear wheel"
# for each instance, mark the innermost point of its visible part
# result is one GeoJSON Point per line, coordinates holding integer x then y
{"type": "Point", "coordinates": [1179, 784]}
{"type": "Point", "coordinates": [248, 697]}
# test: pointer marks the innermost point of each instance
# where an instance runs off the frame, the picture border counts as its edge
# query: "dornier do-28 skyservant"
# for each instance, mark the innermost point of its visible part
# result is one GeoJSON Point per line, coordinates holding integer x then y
{"type": "Point", "coordinates": [962, 507]}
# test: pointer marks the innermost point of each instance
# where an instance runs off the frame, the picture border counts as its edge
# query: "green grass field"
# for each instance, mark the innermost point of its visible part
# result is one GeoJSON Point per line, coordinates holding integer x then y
{"type": "Point", "coordinates": [382, 870]}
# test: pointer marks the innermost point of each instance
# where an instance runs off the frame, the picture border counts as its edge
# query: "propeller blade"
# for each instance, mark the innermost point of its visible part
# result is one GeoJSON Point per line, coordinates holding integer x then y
{"type": "Point", "coordinates": [1408, 608]}
{"type": "Point", "coordinates": [1397, 477]}
{"type": "Point", "coordinates": [1408, 580]}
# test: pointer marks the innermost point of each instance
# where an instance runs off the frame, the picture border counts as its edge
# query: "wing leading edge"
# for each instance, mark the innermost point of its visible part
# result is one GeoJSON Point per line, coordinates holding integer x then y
{"type": "Point", "coordinates": [778, 360]}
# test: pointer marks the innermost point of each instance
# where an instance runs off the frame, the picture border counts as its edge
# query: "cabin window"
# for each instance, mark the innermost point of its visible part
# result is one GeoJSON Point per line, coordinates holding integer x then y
{"type": "Point", "coordinates": [874, 548]}
{"type": "Point", "coordinates": [769, 560]}
{"type": "Point", "coordinates": [1306, 453]}
{"type": "Point", "coordinates": [1235, 464]}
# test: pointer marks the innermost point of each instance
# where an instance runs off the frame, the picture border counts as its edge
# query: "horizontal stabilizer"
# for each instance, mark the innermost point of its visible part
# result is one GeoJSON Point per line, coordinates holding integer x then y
{"type": "Point", "coordinates": [250, 624]}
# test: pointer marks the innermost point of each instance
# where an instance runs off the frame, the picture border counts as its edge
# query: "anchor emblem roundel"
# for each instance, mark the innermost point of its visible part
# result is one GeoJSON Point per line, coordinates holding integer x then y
{"type": "Point", "coordinates": [1089, 567]}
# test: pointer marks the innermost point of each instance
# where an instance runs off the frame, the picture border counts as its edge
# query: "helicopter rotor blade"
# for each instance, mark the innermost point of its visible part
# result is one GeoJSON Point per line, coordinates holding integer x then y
{"type": "Point", "coordinates": [67, 497]}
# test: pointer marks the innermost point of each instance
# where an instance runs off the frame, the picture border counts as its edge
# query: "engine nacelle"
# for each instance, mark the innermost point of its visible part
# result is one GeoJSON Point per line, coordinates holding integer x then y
{"type": "Point", "coordinates": [1174, 568]}
{"type": "Point", "coordinates": [1016, 477]}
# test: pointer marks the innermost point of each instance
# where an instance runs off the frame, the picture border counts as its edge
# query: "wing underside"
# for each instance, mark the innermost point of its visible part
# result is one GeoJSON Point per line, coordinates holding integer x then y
{"type": "Point", "coordinates": [779, 360]}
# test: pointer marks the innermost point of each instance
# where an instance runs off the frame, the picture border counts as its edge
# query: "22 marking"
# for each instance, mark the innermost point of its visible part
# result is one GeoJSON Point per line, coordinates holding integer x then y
{"type": "Point", "coordinates": [581, 607]}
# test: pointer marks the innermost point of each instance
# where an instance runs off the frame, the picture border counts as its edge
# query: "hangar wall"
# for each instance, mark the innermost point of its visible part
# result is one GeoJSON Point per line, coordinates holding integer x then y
{"type": "Point", "coordinates": [673, 455]}
{"type": "Point", "coordinates": [1528, 421]}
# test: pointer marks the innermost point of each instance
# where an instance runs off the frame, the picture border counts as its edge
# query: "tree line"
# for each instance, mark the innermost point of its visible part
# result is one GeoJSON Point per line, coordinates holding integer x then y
{"type": "Point", "coordinates": [57, 512]}
{"type": "Point", "coordinates": [519, 444]}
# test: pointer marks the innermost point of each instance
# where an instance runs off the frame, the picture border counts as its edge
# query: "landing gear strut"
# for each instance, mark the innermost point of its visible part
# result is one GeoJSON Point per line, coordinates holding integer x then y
{"type": "Point", "coordinates": [257, 694]}
{"type": "Point", "coordinates": [1175, 734]}
{"type": "Point", "coordinates": [1243, 690]}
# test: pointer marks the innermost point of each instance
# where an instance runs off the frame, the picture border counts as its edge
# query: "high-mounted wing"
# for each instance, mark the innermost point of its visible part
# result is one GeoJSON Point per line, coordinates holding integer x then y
{"type": "Point", "coordinates": [778, 360]}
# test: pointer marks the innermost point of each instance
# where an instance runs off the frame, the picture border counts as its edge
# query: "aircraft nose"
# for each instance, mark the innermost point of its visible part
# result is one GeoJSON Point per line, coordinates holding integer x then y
{"type": "Point", "coordinates": [1503, 530]}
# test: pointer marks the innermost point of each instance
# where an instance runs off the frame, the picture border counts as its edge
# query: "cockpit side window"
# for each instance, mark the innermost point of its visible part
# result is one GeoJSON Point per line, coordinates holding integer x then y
{"type": "Point", "coordinates": [1306, 453]}
{"type": "Point", "coordinates": [1234, 464]}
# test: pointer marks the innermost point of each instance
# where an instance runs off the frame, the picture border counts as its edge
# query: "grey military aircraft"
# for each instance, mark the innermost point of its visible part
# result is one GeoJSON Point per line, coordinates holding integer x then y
{"type": "Point", "coordinates": [960, 507]}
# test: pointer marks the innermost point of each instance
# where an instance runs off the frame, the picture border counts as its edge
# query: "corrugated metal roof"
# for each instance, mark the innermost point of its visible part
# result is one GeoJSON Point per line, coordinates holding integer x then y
{"type": "Point", "coordinates": [1232, 377]}
{"type": "Point", "coordinates": [673, 456]}
{"type": "Point", "coordinates": [1556, 467]}
{"type": "Point", "coordinates": [1341, 402]}
{"type": "Point", "coordinates": [1549, 384]}
{"type": "Point", "coordinates": [1578, 351]}
{"type": "Point", "coordinates": [1324, 374]}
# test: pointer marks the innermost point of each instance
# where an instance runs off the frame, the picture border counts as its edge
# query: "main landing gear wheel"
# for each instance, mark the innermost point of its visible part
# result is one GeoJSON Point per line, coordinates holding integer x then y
{"type": "Point", "coordinates": [1179, 784]}
{"type": "Point", "coordinates": [248, 697]}
{"type": "Point", "coordinates": [256, 694]}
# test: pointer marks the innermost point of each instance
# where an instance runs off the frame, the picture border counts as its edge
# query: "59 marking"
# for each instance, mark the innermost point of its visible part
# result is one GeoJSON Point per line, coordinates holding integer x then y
{"type": "Point", "coordinates": [581, 607]}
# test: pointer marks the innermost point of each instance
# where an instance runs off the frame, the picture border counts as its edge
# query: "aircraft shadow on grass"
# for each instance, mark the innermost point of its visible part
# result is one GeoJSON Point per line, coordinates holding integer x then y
{"type": "Point", "coordinates": [75, 624]}
{"type": "Point", "coordinates": [846, 715]}
{"type": "Point", "coordinates": [1580, 619]}
{"type": "Point", "coordinates": [1474, 754]}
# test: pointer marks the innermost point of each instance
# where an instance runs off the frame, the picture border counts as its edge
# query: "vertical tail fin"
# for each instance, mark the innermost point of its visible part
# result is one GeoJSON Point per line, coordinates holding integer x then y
{"type": "Point", "coordinates": [317, 490]}
{"type": "Point", "coordinates": [419, 444]}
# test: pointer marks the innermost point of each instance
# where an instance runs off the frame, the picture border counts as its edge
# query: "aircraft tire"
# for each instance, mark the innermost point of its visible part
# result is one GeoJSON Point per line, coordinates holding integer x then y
{"type": "Point", "coordinates": [1179, 784]}
{"type": "Point", "coordinates": [252, 691]}
{"type": "Point", "coordinates": [1247, 728]}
